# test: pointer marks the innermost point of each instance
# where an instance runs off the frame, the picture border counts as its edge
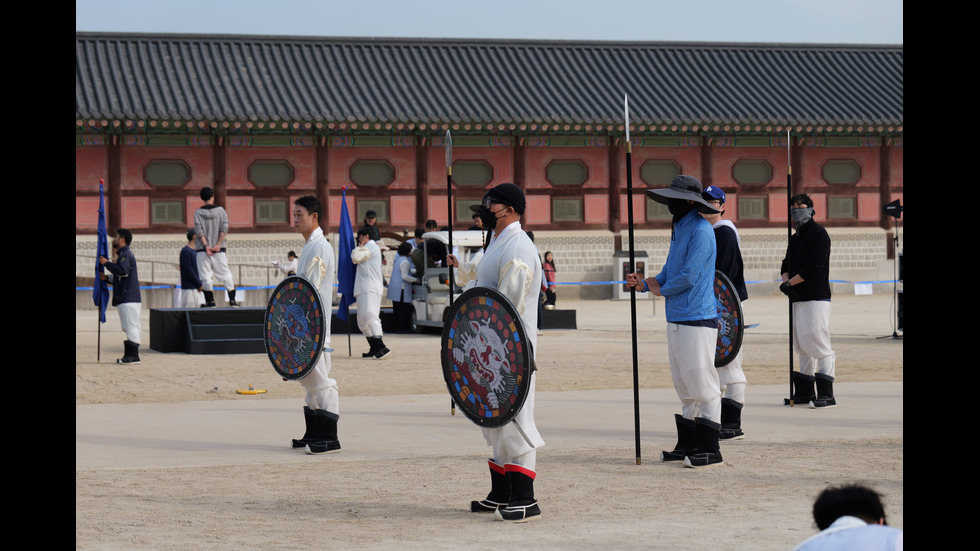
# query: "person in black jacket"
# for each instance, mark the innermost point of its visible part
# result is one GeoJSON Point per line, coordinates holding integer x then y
{"type": "Point", "coordinates": [805, 273]}
{"type": "Point", "coordinates": [125, 293]}
{"type": "Point", "coordinates": [728, 260]}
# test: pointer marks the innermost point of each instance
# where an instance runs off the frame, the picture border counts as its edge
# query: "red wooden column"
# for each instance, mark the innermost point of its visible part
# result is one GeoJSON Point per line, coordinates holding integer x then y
{"type": "Point", "coordinates": [617, 158]}
{"type": "Point", "coordinates": [113, 184]}
{"type": "Point", "coordinates": [321, 160]}
{"type": "Point", "coordinates": [422, 147]}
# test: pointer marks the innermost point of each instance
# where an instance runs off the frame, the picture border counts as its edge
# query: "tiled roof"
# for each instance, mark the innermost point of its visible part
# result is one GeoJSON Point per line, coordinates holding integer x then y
{"type": "Point", "coordinates": [349, 80]}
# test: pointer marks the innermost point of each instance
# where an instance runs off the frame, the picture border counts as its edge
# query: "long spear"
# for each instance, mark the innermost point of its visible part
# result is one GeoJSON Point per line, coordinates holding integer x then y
{"type": "Point", "coordinates": [449, 205]}
{"type": "Point", "coordinates": [629, 214]}
{"type": "Point", "coordinates": [789, 235]}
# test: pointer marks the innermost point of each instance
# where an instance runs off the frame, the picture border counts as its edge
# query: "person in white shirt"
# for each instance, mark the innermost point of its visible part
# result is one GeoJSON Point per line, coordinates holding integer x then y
{"type": "Point", "coordinates": [322, 410]}
{"type": "Point", "coordinates": [511, 266]}
{"type": "Point", "coordinates": [369, 288]}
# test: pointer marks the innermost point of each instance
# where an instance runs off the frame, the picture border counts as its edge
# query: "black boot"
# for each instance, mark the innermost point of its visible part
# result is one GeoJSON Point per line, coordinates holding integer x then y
{"type": "Point", "coordinates": [382, 350]}
{"type": "Point", "coordinates": [324, 437]}
{"type": "Point", "coordinates": [687, 440]}
{"type": "Point", "coordinates": [825, 392]}
{"type": "Point", "coordinates": [708, 452]}
{"type": "Point", "coordinates": [731, 420]}
{"type": "Point", "coordinates": [499, 494]}
{"type": "Point", "coordinates": [522, 506]}
{"type": "Point", "coordinates": [208, 299]}
{"type": "Point", "coordinates": [131, 353]}
{"type": "Point", "coordinates": [308, 417]}
{"type": "Point", "coordinates": [802, 389]}
{"type": "Point", "coordinates": [373, 343]}
{"type": "Point", "coordinates": [231, 299]}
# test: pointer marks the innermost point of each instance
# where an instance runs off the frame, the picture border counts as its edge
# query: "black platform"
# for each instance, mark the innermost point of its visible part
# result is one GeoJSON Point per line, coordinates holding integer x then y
{"type": "Point", "coordinates": [207, 330]}
{"type": "Point", "coordinates": [558, 319]}
{"type": "Point", "coordinates": [227, 330]}
{"type": "Point", "coordinates": [239, 330]}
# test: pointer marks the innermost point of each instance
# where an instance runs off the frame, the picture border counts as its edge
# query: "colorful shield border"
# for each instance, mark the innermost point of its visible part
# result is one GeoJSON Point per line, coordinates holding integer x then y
{"type": "Point", "coordinates": [294, 350]}
{"type": "Point", "coordinates": [486, 305]}
{"type": "Point", "coordinates": [732, 324]}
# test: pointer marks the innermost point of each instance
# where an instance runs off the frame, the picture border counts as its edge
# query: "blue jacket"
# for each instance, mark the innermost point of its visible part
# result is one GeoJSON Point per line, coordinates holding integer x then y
{"type": "Point", "coordinates": [688, 277]}
{"type": "Point", "coordinates": [124, 278]}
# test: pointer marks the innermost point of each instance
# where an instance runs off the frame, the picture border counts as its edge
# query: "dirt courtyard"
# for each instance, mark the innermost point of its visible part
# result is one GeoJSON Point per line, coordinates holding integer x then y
{"type": "Point", "coordinates": [169, 456]}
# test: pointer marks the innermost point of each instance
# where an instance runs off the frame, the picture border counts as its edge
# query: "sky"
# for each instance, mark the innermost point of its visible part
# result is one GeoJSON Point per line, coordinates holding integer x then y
{"type": "Point", "coordinates": [769, 21]}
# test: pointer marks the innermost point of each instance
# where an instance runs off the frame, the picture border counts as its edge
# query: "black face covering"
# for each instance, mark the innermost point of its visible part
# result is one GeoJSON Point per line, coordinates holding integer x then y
{"type": "Point", "coordinates": [488, 218]}
{"type": "Point", "coordinates": [679, 207]}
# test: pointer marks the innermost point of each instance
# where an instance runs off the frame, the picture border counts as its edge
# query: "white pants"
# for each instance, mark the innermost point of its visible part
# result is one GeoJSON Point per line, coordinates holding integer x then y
{"type": "Point", "coordinates": [811, 337]}
{"type": "Point", "coordinates": [191, 298]}
{"type": "Point", "coordinates": [129, 318]}
{"type": "Point", "coordinates": [369, 314]}
{"type": "Point", "coordinates": [215, 265]}
{"type": "Point", "coordinates": [732, 379]}
{"type": "Point", "coordinates": [321, 390]}
{"type": "Point", "coordinates": [517, 442]}
{"type": "Point", "coordinates": [691, 351]}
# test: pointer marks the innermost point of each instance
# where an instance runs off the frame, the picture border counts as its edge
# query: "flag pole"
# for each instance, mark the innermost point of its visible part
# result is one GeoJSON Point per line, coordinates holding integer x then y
{"type": "Point", "coordinates": [632, 269]}
{"type": "Point", "coordinates": [789, 235]}
{"type": "Point", "coordinates": [449, 207]}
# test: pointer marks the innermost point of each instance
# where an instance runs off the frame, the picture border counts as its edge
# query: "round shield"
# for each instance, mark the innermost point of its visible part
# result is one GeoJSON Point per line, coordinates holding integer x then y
{"type": "Point", "coordinates": [731, 323]}
{"type": "Point", "coordinates": [295, 328]}
{"type": "Point", "coordinates": [486, 357]}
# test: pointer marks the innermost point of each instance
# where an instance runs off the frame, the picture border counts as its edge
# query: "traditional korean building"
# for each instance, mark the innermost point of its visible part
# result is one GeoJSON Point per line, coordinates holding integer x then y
{"type": "Point", "coordinates": [264, 120]}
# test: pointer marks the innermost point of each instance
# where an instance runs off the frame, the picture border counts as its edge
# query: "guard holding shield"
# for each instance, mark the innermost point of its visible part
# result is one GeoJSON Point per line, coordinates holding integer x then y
{"type": "Point", "coordinates": [317, 266]}
{"type": "Point", "coordinates": [687, 284]}
{"type": "Point", "coordinates": [510, 266]}
{"type": "Point", "coordinates": [729, 261]}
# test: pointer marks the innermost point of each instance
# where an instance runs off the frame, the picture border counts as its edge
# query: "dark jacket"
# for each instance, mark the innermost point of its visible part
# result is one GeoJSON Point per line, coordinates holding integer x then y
{"type": "Point", "coordinates": [729, 259]}
{"type": "Point", "coordinates": [808, 256]}
{"type": "Point", "coordinates": [189, 278]}
{"type": "Point", "coordinates": [124, 278]}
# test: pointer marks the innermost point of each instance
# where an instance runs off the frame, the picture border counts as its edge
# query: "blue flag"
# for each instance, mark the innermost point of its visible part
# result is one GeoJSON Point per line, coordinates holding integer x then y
{"type": "Point", "coordinates": [100, 290]}
{"type": "Point", "coordinates": [345, 266]}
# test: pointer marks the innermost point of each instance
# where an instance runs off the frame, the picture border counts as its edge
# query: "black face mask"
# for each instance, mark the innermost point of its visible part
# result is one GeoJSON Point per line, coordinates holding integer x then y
{"type": "Point", "coordinates": [678, 207]}
{"type": "Point", "coordinates": [488, 218]}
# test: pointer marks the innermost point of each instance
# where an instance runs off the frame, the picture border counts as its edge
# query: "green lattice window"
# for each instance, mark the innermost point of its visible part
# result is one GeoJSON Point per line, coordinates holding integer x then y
{"type": "Point", "coordinates": [844, 171]}
{"type": "Point", "coordinates": [658, 173]}
{"type": "Point", "coordinates": [167, 212]}
{"type": "Point", "coordinates": [167, 173]}
{"type": "Point", "coordinates": [566, 210]}
{"type": "Point", "coordinates": [472, 173]}
{"type": "Point", "coordinates": [271, 173]}
{"type": "Point", "coordinates": [271, 211]}
{"type": "Point", "coordinates": [372, 173]}
{"type": "Point", "coordinates": [656, 211]}
{"type": "Point", "coordinates": [752, 172]}
{"type": "Point", "coordinates": [842, 207]}
{"type": "Point", "coordinates": [463, 212]}
{"type": "Point", "coordinates": [567, 173]}
{"type": "Point", "coordinates": [379, 206]}
{"type": "Point", "coordinates": [752, 208]}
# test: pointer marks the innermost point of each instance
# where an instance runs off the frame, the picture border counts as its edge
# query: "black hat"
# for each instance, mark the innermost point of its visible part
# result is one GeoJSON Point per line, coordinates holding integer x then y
{"type": "Point", "coordinates": [370, 214]}
{"type": "Point", "coordinates": [682, 187]}
{"type": "Point", "coordinates": [505, 194]}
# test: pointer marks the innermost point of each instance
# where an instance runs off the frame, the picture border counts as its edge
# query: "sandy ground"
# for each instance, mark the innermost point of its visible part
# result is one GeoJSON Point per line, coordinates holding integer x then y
{"type": "Point", "coordinates": [169, 456]}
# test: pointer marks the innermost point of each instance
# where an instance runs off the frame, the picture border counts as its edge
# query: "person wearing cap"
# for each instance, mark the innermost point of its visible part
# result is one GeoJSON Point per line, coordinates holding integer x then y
{"type": "Point", "coordinates": [211, 229]}
{"type": "Point", "coordinates": [728, 260]}
{"type": "Point", "coordinates": [511, 265]}
{"type": "Point", "coordinates": [805, 272]}
{"type": "Point", "coordinates": [369, 289]}
{"type": "Point", "coordinates": [370, 224]}
{"type": "Point", "coordinates": [687, 284]}
{"type": "Point", "coordinates": [190, 281]}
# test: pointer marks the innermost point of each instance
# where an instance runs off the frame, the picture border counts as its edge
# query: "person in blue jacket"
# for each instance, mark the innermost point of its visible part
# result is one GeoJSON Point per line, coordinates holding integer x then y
{"type": "Point", "coordinates": [125, 293]}
{"type": "Point", "coordinates": [687, 285]}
